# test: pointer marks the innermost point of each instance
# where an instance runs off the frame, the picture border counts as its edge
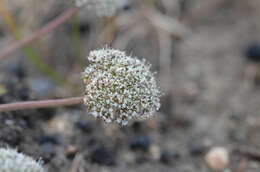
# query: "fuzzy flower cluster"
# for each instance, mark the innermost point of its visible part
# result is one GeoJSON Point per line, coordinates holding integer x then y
{"type": "Point", "coordinates": [119, 88]}
{"type": "Point", "coordinates": [103, 8]}
{"type": "Point", "coordinates": [12, 161]}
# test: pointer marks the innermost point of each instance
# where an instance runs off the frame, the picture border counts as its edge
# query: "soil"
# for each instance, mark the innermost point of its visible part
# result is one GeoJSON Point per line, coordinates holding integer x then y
{"type": "Point", "coordinates": [208, 70]}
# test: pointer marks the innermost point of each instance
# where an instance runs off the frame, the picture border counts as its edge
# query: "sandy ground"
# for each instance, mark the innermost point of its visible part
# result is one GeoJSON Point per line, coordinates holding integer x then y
{"type": "Point", "coordinates": [211, 90]}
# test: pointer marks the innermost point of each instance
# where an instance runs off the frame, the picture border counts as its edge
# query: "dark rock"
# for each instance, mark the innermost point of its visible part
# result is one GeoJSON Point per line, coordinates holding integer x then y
{"type": "Point", "coordinates": [102, 155]}
{"type": "Point", "coordinates": [49, 139]}
{"type": "Point", "coordinates": [24, 93]}
{"type": "Point", "coordinates": [47, 148]}
{"type": "Point", "coordinates": [84, 126]}
{"type": "Point", "coordinates": [141, 159]}
{"type": "Point", "coordinates": [137, 127]}
{"type": "Point", "coordinates": [46, 113]}
{"type": "Point", "coordinates": [253, 52]}
{"type": "Point", "coordinates": [84, 28]}
{"type": "Point", "coordinates": [168, 156]}
{"type": "Point", "coordinates": [127, 7]}
{"type": "Point", "coordinates": [141, 143]}
{"type": "Point", "coordinates": [28, 121]}
{"type": "Point", "coordinates": [48, 151]}
{"type": "Point", "coordinates": [196, 149]}
{"type": "Point", "coordinates": [12, 138]}
{"type": "Point", "coordinates": [93, 141]}
{"type": "Point", "coordinates": [71, 151]}
{"type": "Point", "coordinates": [23, 123]}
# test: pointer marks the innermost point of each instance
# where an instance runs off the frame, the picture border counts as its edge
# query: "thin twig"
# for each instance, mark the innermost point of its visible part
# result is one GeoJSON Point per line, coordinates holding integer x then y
{"type": "Point", "coordinates": [166, 23]}
{"type": "Point", "coordinates": [249, 152]}
{"type": "Point", "coordinates": [75, 163]}
{"type": "Point", "coordinates": [43, 31]}
{"type": "Point", "coordinates": [41, 104]}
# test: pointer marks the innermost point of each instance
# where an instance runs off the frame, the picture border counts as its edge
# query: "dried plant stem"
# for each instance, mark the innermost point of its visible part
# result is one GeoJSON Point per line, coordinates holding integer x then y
{"type": "Point", "coordinates": [43, 31]}
{"type": "Point", "coordinates": [41, 104]}
{"type": "Point", "coordinates": [30, 52]}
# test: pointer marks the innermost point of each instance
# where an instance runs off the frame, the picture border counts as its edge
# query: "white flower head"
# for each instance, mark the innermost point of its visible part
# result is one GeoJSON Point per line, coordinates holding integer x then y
{"type": "Point", "coordinates": [119, 88]}
{"type": "Point", "coordinates": [12, 161]}
{"type": "Point", "coordinates": [102, 8]}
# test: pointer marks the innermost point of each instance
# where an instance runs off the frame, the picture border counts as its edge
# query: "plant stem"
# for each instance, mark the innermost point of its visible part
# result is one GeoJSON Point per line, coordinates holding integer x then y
{"type": "Point", "coordinates": [41, 104]}
{"type": "Point", "coordinates": [77, 43]}
{"type": "Point", "coordinates": [43, 31]}
{"type": "Point", "coordinates": [30, 52]}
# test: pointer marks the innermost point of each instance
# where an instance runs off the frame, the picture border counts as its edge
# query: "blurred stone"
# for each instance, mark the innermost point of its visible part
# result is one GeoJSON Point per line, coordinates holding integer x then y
{"type": "Point", "coordinates": [84, 28]}
{"type": "Point", "coordinates": [49, 139]}
{"type": "Point", "coordinates": [136, 126]}
{"type": "Point", "coordinates": [196, 148]}
{"type": "Point", "coordinates": [129, 157]}
{"type": "Point", "coordinates": [71, 151]}
{"type": "Point", "coordinates": [9, 122]}
{"type": "Point", "coordinates": [11, 137]}
{"type": "Point", "coordinates": [155, 152]}
{"type": "Point", "coordinates": [24, 93]}
{"type": "Point", "coordinates": [48, 151]}
{"type": "Point", "coordinates": [48, 148]}
{"type": "Point", "coordinates": [168, 156]}
{"type": "Point", "coordinates": [253, 52]}
{"type": "Point", "coordinates": [102, 155]}
{"type": "Point", "coordinates": [62, 124]}
{"type": "Point", "coordinates": [217, 158]}
{"type": "Point", "coordinates": [84, 126]}
{"type": "Point", "coordinates": [140, 143]}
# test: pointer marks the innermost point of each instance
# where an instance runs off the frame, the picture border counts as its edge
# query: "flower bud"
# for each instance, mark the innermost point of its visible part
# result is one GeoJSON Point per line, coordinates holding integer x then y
{"type": "Point", "coordinates": [119, 88]}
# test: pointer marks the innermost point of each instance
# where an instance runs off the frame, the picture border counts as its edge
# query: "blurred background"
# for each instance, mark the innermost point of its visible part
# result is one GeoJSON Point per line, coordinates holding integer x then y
{"type": "Point", "coordinates": [207, 57]}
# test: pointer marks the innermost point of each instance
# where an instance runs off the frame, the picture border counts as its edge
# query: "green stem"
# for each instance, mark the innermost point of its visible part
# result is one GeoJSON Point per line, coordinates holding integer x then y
{"type": "Point", "coordinates": [76, 37]}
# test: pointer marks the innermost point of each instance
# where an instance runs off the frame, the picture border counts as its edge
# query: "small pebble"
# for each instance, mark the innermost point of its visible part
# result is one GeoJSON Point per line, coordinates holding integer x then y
{"type": "Point", "coordinates": [24, 93]}
{"type": "Point", "coordinates": [137, 127]}
{"type": "Point", "coordinates": [84, 28]}
{"type": "Point", "coordinates": [253, 52]}
{"type": "Point", "coordinates": [48, 148]}
{"type": "Point", "coordinates": [127, 7]}
{"type": "Point", "coordinates": [140, 143]}
{"type": "Point", "coordinates": [217, 158]}
{"type": "Point", "coordinates": [84, 126]}
{"type": "Point", "coordinates": [61, 124]}
{"type": "Point", "coordinates": [129, 157]}
{"type": "Point", "coordinates": [49, 139]}
{"type": "Point", "coordinates": [102, 155]}
{"type": "Point", "coordinates": [155, 152]}
{"type": "Point", "coordinates": [168, 156]}
{"type": "Point", "coordinates": [46, 113]}
{"type": "Point", "coordinates": [71, 151]}
{"type": "Point", "coordinates": [48, 151]}
{"type": "Point", "coordinates": [196, 149]}
{"type": "Point", "coordinates": [11, 137]}
{"type": "Point", "coordinates": [9, 122]}
{"type": "Point", "coordinates": [24, 123]}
